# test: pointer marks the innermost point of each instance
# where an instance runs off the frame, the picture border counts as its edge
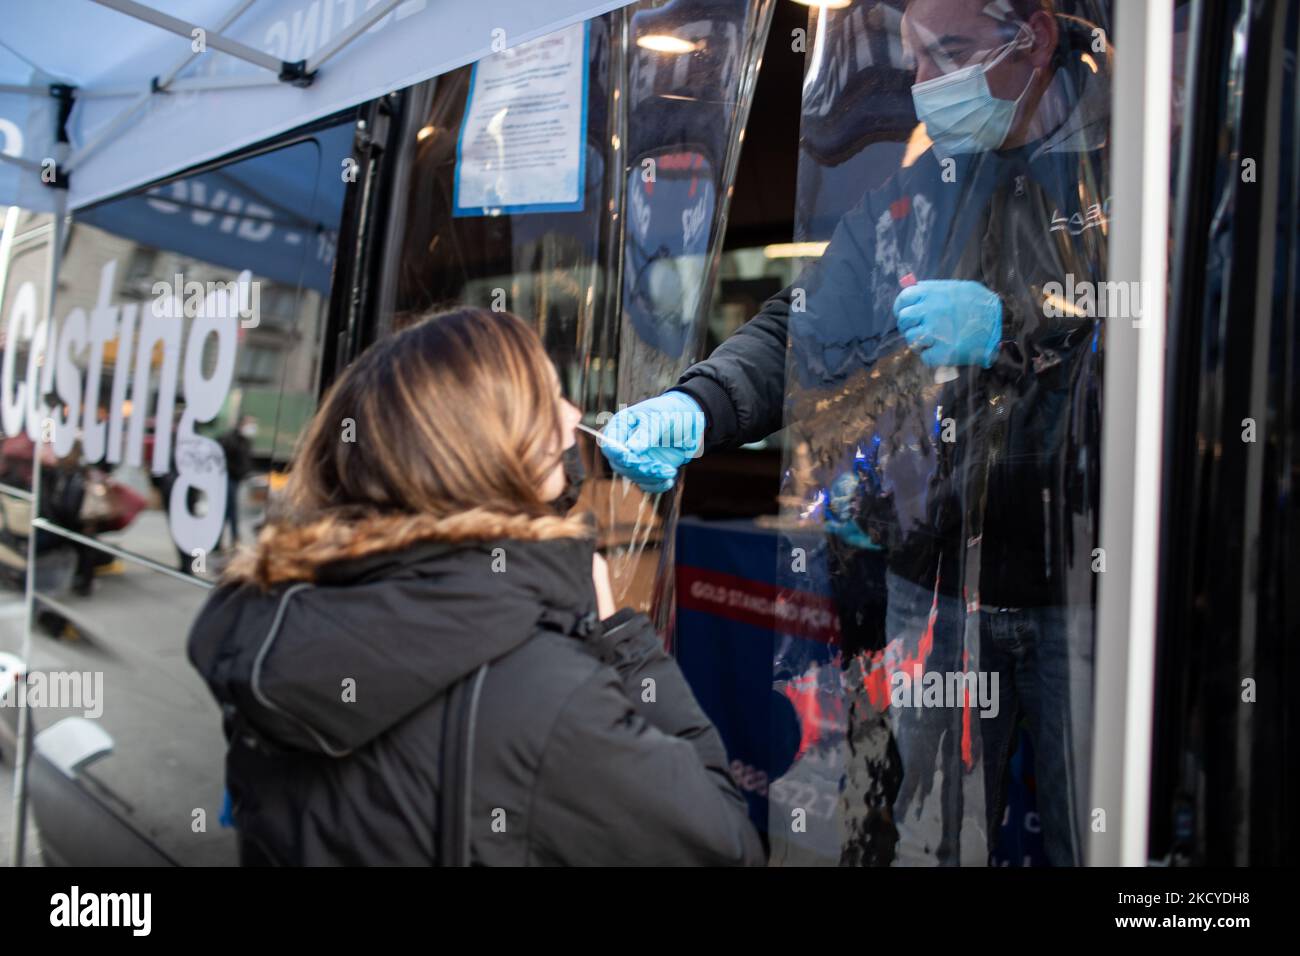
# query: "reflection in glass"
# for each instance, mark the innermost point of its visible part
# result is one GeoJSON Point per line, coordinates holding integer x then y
{"type": "Point", "coordinates": [187, 354]}
{"type": "Point", "coordinates": [163, 403]}
{"type": "Point", "coordinates": [685, 120]}
{"type": "Point", "coordinates": [619, 289]}
{"type": "Point", "coordinates": [942, 397]}
{"type": "Point", "coordinates": [148, 746]}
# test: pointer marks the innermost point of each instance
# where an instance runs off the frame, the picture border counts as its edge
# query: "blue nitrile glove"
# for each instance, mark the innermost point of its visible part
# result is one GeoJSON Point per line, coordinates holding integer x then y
{"type": "Point", "coordinates": [950, 321]}
{"type": "Point", "coordinates": [659, 435]}
{"type": "Point", "coordinates": [840, 520]}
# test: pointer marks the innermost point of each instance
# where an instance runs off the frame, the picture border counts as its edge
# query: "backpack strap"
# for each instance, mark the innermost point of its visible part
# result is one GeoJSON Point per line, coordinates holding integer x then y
{"type": "Point", "coordinates": [456, 768]}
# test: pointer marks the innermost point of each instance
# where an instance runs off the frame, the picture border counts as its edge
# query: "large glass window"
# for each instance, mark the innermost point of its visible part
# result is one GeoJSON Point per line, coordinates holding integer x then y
{"type": "Point", "coordinates": [165, 399]}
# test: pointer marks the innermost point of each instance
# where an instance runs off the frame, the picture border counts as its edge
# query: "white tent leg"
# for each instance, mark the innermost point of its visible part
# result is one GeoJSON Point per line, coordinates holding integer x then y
{"type": "Point", "coordinates": [29, 597]}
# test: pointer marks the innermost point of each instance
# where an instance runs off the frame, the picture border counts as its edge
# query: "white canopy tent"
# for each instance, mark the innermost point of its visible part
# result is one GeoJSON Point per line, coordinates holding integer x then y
{"type": "Point", "coordinates": [99, 96]}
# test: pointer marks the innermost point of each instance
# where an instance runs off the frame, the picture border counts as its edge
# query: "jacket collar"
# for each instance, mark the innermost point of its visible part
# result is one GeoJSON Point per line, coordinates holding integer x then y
{"type": "Point", "coordinates": [404, 624]}
{"type": "Point", "coordinates": [350, 543]}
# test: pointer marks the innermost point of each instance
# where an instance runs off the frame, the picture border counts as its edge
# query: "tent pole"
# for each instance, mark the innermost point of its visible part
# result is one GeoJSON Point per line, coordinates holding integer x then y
{"type": "Point", "coordinates": [164, 81]}
{"type": "Point", "coordinates": [367, 20]}
{"type": "Point", "coordinates": [185, 28]}
{"type": "Point", "coordinates": [28, 164]}
{"type": "Point", "coordinates": [198, 83]}
{"type": "Point", "coordinates": [108, 129]}
{"type": "Point", "coordinates": [23, 745]}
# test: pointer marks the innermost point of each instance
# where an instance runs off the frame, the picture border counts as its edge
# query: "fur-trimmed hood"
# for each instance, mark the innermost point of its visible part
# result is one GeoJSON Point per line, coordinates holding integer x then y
{"type": "Point", "coordinates": [332, 631]}
{"type": "Point", "coordinates": [288, 551]}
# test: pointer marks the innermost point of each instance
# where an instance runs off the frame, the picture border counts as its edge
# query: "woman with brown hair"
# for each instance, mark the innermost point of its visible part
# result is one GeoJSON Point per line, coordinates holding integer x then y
{"type": "Point", "coordinates": [420, 661]}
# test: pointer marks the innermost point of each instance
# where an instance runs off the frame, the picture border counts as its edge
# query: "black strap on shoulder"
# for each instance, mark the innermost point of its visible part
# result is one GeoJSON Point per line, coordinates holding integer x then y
{"type": "Point", "coordinates": [456, 768]}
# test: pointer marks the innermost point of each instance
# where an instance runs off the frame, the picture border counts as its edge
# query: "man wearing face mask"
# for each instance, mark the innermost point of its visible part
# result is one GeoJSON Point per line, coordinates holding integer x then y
{"type": "Point", "coordinates": [949, 260]}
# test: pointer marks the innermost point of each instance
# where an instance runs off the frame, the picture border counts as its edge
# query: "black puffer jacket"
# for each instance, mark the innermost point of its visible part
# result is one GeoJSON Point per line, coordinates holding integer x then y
{"type": "Point", "coordinates": [588, 746]}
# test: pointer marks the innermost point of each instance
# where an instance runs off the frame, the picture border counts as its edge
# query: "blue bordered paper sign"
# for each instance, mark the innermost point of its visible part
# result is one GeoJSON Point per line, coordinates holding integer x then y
{"type": "Point", "coordinates": [522, 143]}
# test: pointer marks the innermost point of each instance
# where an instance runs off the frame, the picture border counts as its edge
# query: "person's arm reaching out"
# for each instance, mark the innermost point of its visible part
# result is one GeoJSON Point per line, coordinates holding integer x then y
{"type": "Point", "coordinates": [737, 394]}
{"type": "Point", "coordinates": [741, 386]}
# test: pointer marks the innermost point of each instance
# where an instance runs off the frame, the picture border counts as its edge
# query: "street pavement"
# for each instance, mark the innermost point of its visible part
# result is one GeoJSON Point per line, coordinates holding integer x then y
{"type": "Point", "coordinates": [165, 768]}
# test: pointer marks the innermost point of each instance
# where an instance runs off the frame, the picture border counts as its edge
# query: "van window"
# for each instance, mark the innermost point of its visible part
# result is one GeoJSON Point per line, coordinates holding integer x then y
{"type": "Point", "coordinates": [183, 365]}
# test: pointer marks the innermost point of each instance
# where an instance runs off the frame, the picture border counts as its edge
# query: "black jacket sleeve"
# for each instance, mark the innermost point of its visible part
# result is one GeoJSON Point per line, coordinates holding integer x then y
{"type": "Point", "coordinates": [741, 386]}
{"type": "Point", "coordinates": [634, 772]}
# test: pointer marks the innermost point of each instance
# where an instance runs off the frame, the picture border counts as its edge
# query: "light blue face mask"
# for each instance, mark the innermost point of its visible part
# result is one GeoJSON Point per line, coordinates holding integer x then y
{"type": "Point", "coordinates": [960, 114]}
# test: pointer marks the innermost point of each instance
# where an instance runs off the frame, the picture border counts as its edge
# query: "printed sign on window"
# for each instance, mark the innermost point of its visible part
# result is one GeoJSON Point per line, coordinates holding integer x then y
{"type": "Point", "coordinates": [522, 144]}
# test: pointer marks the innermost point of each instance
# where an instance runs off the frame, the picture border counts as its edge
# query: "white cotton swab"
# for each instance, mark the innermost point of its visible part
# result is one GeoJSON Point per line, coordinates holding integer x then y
{"type": "Point", "coordinates": [603, 438]}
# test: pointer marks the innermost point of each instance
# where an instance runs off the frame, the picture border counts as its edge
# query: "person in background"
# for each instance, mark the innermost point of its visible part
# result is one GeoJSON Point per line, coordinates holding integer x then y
{"type": "Point", "coordinates": [238, 446]}
{"type": "Point", "coordinates": [163, 484]}
{"type": "Point", "coordinates": [421, 662]}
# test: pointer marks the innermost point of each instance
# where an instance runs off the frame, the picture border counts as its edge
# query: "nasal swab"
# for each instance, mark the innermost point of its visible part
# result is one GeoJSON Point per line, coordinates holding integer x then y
{"type": "Point", "coordinates": [603, 438]}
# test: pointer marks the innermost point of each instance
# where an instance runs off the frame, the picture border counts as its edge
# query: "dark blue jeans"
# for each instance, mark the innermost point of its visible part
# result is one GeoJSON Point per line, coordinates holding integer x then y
{"type": "Point", "coordinates": [232, 509]}
{"type": "Point", "coordinates": [1048, 655]}
{"type": "Point", "coordinates": [955, 759]}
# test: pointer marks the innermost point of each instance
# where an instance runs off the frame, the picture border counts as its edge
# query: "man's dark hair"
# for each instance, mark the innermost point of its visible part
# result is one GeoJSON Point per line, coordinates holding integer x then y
{"type": "Point", "coordinates": [1011, 12]}
{"type": "Point", "coordinates": [1024, 9]}
{"type": "Point", "coordinates": [1020, 10]}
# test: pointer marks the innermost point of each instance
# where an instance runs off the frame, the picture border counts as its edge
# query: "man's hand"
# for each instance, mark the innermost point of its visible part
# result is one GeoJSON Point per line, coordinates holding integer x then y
{"type": "Point", "coordinates": [950, 321]}
{"type": "Point", "coordinates": [649, 441]}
